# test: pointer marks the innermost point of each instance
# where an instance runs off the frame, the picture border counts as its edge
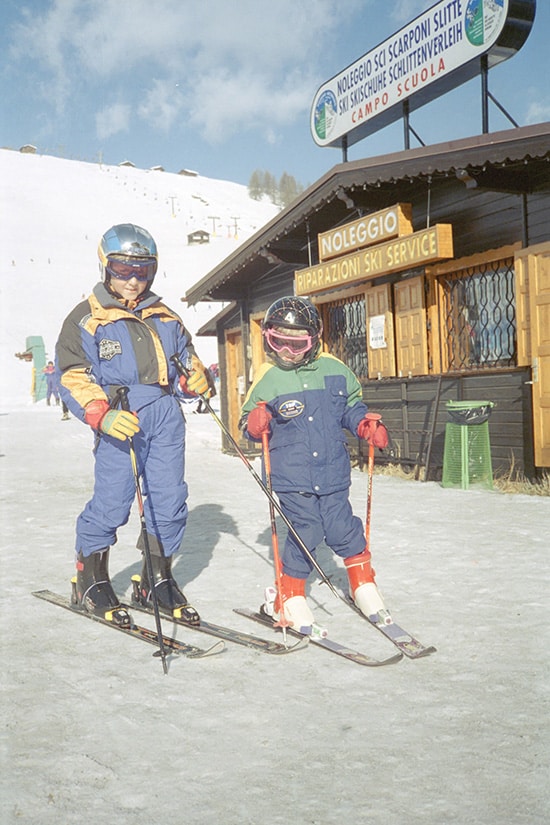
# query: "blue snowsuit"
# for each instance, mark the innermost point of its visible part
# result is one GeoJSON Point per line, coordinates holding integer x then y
{"type": "Point", "coordinates": [104, 345]}
{"type": "Point", "coordinates": [310, 466]}
{"type": "Point", "coordinates": [51, 381]}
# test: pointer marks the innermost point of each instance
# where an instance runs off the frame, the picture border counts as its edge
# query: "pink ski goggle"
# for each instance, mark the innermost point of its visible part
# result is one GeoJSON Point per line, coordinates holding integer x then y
{"type": "Point", "coordinates": [143, 269]}
{"type": "Point", "coordinates": [294, 346]}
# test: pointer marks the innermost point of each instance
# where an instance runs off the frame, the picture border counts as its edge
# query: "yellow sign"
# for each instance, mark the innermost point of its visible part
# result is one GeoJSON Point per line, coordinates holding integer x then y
{"type": "Point", "coordinates": [380, 226]}
{"type": "Point", "coordinates": [417, 249]}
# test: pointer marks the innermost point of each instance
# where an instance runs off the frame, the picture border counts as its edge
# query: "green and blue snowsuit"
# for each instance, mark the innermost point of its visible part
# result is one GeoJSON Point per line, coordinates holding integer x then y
{"type": "Point", "coordinates": [311, 406]}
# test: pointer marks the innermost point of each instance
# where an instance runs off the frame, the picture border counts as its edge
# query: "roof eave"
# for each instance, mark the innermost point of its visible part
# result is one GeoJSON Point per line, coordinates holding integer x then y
{"type": "Point", "coordinates": [510, 144]}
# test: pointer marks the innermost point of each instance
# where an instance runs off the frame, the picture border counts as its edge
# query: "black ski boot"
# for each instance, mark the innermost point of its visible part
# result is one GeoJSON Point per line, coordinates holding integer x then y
{"type": "Point", "coordinates": [170, 598]}
{"type": "Point", "coordinates": [93, 591]}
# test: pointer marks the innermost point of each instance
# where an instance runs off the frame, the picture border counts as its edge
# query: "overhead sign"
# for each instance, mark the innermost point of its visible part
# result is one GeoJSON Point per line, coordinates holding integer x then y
{"type": "Point", "coordinates": [438, 51]}
{"type": "Point", "coordinates": [374, 228]}
{"type": "Point", "coordinates": [417, 249]}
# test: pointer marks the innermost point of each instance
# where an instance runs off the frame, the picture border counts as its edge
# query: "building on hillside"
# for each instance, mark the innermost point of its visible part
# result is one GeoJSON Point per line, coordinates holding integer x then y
{"type": "Point", "coordinates": [188, 173]}
{"type": "Point", "coordinates": [431, 270]}
{"type": "Point", "coordinates": [198, 236]}
{"type": "Point", "coordinates": [28, 149]}
{"type": "Point", "coordinates": [127, 163]}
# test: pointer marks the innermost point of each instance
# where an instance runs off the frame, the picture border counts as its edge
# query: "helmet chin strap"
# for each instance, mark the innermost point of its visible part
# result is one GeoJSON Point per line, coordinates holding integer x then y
{"type": "Point", "coordinates": [110, 289]}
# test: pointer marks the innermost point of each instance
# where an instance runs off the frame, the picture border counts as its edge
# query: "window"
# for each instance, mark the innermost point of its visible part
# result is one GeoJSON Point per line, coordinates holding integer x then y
{"type": "Point", "coordinates": [479, 317]}
{"type": "Point", "coordinates": [345, 332]}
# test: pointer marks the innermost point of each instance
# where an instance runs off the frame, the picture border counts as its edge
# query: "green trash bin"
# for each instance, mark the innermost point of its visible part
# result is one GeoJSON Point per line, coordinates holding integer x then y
{"type": "Point", "coordinates": [467, 452]}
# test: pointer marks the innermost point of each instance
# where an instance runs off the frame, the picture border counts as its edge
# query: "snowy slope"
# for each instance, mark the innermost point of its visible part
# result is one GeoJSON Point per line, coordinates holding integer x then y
{"type": "Point", "coordinates": [53, 213]}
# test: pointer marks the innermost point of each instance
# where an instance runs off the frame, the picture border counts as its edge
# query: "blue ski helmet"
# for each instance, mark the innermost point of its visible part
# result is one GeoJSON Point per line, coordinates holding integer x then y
{"type": "Point", "coordinates": [126, 241]}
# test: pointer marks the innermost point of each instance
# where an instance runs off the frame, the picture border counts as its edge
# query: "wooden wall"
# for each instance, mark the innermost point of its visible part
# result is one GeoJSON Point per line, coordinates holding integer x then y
{"type": "Point", "coordinates": [408, 407]}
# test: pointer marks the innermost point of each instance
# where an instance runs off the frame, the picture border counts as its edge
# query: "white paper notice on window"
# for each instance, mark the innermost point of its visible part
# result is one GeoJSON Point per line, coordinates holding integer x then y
{"type": "Point", "coordinates": [377, 326]}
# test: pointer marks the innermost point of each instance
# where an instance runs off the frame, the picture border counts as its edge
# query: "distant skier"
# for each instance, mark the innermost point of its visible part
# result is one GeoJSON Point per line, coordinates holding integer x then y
{"type": "Point", "coordinates": [123, 336]}
{"type": "Point", "coordinates": [51, 379]}
{"type": "Point", "coordinates": [311, 396]}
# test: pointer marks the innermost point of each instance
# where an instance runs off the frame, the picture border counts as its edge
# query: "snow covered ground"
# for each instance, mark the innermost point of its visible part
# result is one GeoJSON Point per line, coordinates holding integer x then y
{"type": "Point", "coordinates": [95, 732]}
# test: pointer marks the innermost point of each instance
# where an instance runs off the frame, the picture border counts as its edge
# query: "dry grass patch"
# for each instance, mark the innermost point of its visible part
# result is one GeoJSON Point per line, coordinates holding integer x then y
{"type": "Point", "coordinates": [512, 481]}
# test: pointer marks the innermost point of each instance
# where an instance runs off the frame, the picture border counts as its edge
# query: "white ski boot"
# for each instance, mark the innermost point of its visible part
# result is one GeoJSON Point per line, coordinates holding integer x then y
{"type": "Point", "coordinates": [363, 589]}
{"type": "Point", "coordinates": [296, 609]}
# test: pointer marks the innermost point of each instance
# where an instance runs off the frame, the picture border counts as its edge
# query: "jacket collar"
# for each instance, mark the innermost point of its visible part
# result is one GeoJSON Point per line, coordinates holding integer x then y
{"type": "Point", "coordinates": [107, 301]}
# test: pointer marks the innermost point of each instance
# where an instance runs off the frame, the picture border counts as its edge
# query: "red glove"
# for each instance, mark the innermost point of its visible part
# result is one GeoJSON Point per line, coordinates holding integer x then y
{"type": "Point", "coordinates": [372, 430]}
{"type": "Point", "coordinates": [116, 423]}
{"type": "Point", "coordinates": [258, 421]}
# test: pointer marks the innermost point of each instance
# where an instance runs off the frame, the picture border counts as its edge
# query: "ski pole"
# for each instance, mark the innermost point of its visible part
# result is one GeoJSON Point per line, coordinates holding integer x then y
{"type": "Point", "coordinates": [283, 622]}
{"type": "Point", "coordinates": [182, 371]}
{"type": "Point", "coordinates": [370, 469]}
{"type": "Point", "coordinates": [124, 403]}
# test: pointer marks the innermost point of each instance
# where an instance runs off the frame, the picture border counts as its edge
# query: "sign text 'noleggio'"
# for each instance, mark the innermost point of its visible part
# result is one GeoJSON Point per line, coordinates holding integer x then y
{"type": "Point", "coordinates": [392, 222]}
{"type": "Point", "coordinates": [419, 248]}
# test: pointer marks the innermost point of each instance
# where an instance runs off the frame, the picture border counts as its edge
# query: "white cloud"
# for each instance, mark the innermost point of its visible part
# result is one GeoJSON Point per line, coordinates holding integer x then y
{"type": "Point", "coordinates": [40, 38]}
{"type": "Point", "coordinates": [405, 10]}
{"type": "Point", "coordinates": [227, 63]}
{"type": "Point", "coordinates": [538, 112]}
{"type": "Point", "coordinates": [112, 120]}
{"type": "Point", "coordinates": [161, 104]}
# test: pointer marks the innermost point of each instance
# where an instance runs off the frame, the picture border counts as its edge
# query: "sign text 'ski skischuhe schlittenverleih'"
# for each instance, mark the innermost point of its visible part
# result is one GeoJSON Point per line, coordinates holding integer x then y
{"type": "Point", "coordinates": [434, 53]}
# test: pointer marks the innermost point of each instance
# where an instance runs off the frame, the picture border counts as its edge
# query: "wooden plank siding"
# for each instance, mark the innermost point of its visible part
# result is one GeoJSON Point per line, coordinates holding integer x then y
{"type": "Point", "coordinates": [268, 289]}
{"type": "Point", "coordinates": [481, 219]}
{"type": "Point", "coordinates": [407, 406]}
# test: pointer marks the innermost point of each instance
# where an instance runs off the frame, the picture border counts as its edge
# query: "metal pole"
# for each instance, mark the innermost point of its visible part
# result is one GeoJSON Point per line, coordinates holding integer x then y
{"type": "Point", "coordinates": [484, 94]}
{"type": "Point", "coordinates": [123, 395]}
{"type": "Point", "coordinates": [406, 125]}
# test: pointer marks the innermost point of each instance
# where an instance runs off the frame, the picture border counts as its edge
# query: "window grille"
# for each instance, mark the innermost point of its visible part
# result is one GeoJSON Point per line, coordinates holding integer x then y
{"type": "Point", "coordinates": [345, 332]}
{"type": "Point", "coordinates": [479, 317]}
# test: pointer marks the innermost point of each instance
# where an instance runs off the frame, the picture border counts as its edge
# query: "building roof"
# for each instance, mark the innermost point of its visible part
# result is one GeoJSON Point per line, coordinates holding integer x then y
{"type": "Point", "coordinates": [509, 160]}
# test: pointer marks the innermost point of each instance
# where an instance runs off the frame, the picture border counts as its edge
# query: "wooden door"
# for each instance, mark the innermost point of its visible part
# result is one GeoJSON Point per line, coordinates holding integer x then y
{"type": "Point", "coordinates": [257, 353]}
{"type": "Point", "coordinates": [411, 340]}
{"type": "Point", "coordinates": [236, 382]}
{"type": "Point", "coordinates": [533, 280]}
{"type": "Point", "coordinates": [380, 342]}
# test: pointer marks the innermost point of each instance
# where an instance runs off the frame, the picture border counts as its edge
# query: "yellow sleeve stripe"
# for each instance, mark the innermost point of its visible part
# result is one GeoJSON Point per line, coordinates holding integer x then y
{"type": "Point", "coordinates": [78, 383]}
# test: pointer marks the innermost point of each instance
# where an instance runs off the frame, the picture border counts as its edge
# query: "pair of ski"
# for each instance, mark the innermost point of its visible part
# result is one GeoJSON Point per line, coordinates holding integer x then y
{"type": "Point", "coordinates": [171, 644]}
{"type": "Point", "coordinates": [407, 645]}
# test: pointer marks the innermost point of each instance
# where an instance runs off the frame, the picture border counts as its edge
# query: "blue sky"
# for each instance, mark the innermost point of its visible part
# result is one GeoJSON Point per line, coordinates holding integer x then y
{"type": "Point", "coordinates": [223, 87]}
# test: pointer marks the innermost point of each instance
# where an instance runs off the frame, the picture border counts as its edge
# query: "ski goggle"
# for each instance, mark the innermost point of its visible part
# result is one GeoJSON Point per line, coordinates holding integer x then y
{"type": "Point", "coordinates": [143, 269]}
{"type": "Point", "coordinates": [293, 345]}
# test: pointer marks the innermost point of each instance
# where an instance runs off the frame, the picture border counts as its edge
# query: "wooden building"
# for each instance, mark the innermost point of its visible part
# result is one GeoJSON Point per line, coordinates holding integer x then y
{"type": "Point", "coordinates": [199, 236]}
{"type": "Point", "coordinates": [431, 269]}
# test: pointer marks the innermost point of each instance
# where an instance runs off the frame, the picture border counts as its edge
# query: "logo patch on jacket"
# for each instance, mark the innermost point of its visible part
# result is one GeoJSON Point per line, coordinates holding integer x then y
{"type": "Point", "coordinates": [290, 409]}
{"type": "Point", "coordinates": [108, 349]}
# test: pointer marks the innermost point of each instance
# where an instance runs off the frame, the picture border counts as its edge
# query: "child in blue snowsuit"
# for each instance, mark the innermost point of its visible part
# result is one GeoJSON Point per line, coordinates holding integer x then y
{"type": "Point", "coordinates": [124, 336]}
{"type": "Point", "coordinates": [51, 383]}
{"type": "Point", "coordinates": [311, 397]}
